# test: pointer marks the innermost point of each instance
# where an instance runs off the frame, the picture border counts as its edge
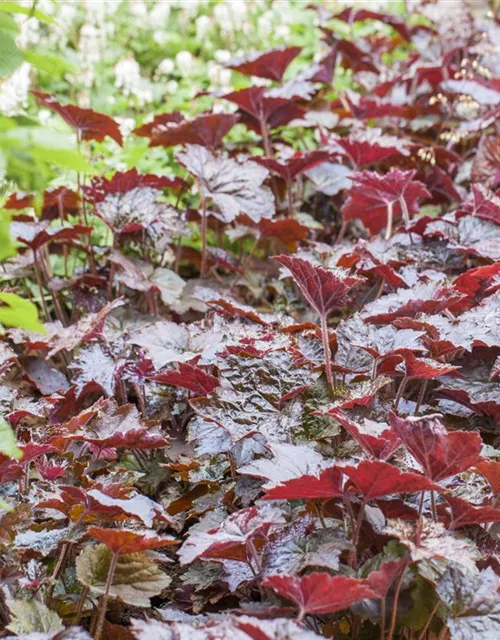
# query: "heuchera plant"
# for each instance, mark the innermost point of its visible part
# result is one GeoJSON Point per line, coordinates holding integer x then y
{"type": "Point", "coordinates": [265, 404]}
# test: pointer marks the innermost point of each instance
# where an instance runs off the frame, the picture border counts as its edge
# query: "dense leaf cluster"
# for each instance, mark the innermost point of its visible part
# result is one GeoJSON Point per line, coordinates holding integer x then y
{"type": "Point", "coordinates": [266, 400]}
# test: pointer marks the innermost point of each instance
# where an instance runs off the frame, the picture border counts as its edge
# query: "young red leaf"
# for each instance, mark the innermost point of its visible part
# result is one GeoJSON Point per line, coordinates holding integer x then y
{"type": "Point", "coordinates": [206, 130]}
{"type": "Point", "coordinates": [440, 453]}
{"type": "Point", "coordinates": [320, 593]}
{"type": "Point", "coordinates": [291, 167]}
{"type": "Point", "coordinates": [370, 146]}
{"type": "Point", "coordinates": [376, 479]}
{"type": "Point", "coordinates": [124, 541]}
{"type": "Point", "coordinates": [485, 204]}
{"type": "Point", "coordinates": [114, 427]}
{"type": "Point", "coordinates": [287, 230]}
{"type": "Point", "coordinates": [352, 14]}
{"type": "Point", "coordinates": [322, 288]}
{"type": "Point", "coordinates": [381, 579]}
{"type": "Point", "coordinates": [490, 469]}
{"type": "Point", "coordinates": [326, 485]}
{"type": "Point", "coordinates": [36, 235]}
{"type": "Point", "coordinates": [56, 203]}
{"type": "Point", "coordinates": [426, 368]}
{"type": "Point", "coordinates": [486, 162]}
{"type": "Point", "coordinates": [464, 513]}
{"type": "Point", "coordinates": [380, 446]}
{"type": "Point", "coordinates": [159, 123]}
{"type": "Point", "coordinates": [271, 64]}
{"type": "Point", "coordinates": [259, 109]}
{"type": "Point", "coordinates": [377, 200]}
{"type": "Point", "coordinates": [188, 377]}
{"type": "Point", "coordinates": [89, 124]}
{"type": "Point", "coordinates": [123, 182]}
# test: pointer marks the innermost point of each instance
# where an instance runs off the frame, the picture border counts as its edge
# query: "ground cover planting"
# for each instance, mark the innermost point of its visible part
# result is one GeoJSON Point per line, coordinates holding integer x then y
{"type": "Point", "coordinates": [250, 357]}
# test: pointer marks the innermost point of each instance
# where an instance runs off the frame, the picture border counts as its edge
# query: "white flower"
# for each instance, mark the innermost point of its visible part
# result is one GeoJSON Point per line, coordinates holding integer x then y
{"type": "Point", "coordinates": [44, 115]}
{"type": "Point", "coordinates": [165, 67]}
{"type": "Point", "coordinates": [127, 75]}
{"type": "Point", "coordinates": [138, 8]}
{"type": "Point", "coordinates": [202, 26]}
{"type": "Point", "coordinates": [282, 31]}
{"type": "Point", "coordinates": [222, 56]}
{"type": "Point", "coordinates": [265, 24]}
{"type": "Point", "coordinates": [220, 78]}
{"type": "Point", "coordinates": [171, 87]}
{"type": "Point", "coordinates": [126, 125]}
{"type": "Point", "coordinates": [184, 62]}
{"type": "Point", "coordinates": [29, 33]}
{"type": "Point", "coordinates": [14, 91]}
{"type": "Point", "coordinates": [159, 14]}
{"type": "Point", "coordinates": [223, 17]}
{"type": "Point", "coordinates": [128, 78]}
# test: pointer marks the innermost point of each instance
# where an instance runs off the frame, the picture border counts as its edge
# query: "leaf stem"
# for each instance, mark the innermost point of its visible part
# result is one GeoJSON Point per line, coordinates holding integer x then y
{"type": "Point", "coordinates": [390, 215]}
{"type": "Point", "coordinates": [400, 392]}
{"type": "Point", "coordinates": [382, 618]}
{"type": "Point", "coordinates": [429, 620]}
{"type": "Point", "coordinates": [395, 603]}
{"type": "Point", "coordinates": [326, 348]}
{"type": "Point", "coordinates": [203, 269]}
{"type": "Point", "coordinates": [355, 534]}
{"type": "Point", "coordinates": [104, 600]}
{"type": "Point", "coordinates": [421, 395]}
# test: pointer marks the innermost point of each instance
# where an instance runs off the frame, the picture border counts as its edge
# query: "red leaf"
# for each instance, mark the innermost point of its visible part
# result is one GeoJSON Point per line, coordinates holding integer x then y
{"type": "Point", "coordinates": [351, 15]}
{"type": "Point", "coordinates": [288, 230]}
{"type": "Point", "coordinates": [324, 290]}
{"type": "Point", "coordinates": [490, 469]}
{"type": "Point", "coordinates": [188, 377]}
{"type": "Point", "coordinates": [206, 130]}
{"type": "Point", "coordinates": [320, 593]}
{"type": "Point", "coordinates": [35, 235]}
{"type": "Point", "coordinates": [124, 541]}
{"type": "Point", "coordinates": [271, 64]}
{"type": "Point", "coordinates": [381, 579]}
{"type": "Point", "coordinates": [89, 124]}
{"type": "Point", "coordinates": [290, 168]}
{"type": "Point", "coordinates": [440, 453]}
{"type": "Point", "coordinates": [425, 368]}
{"type": "Point", "coordinates": [122, 182]}
{"type": "Point", "coordinates": [159, 122]}
{"type": "Point", "coordinates": [377, 199]}
{"type": "Point", "coordinates": [485, 204]}
{"type": "Point", "coordinates": [370, 147]}
{"type": "Point", "coordinates": [56, 203]}
{"type": "Point", "coordinates": [260, 109]}
{"type": "Point", "coordinates": [376, 479]}
{"type": "Point", "coordinates": [113, 427]}
{"type": "Point", "coordinates": [380, 447]}
{"type": "Point", "coordinates": [308, 487]}
{"type": "Point", "coordinates": [464, 513]}
{"type": "Point", "coordinates": [476, 282]}
{"type": "Point", "coordinates": [352, 56]}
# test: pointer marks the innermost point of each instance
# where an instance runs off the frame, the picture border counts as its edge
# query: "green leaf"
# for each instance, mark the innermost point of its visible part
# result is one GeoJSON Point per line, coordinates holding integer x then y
{"type": "Point", "coordinates": [17, 312]}
{"type": "Point", "coordinates": [8, 444]}
{"type": "Point", "coordinates": [10, 54]}
{"type": "Point", "coordinates": [6, 245]}
{"type": "Point", "coordinates": [13, 7]}
{"type": "Point", "coordinates": [54, 65]}
{"type": "Point", "coordinates": [7, 23]}
{"type": "Point", "coordinates": [63, 158]}
{"type": "Point", "coordinates": [136, 580]}
{"type": "Point", "coordinates": [31, 616]}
